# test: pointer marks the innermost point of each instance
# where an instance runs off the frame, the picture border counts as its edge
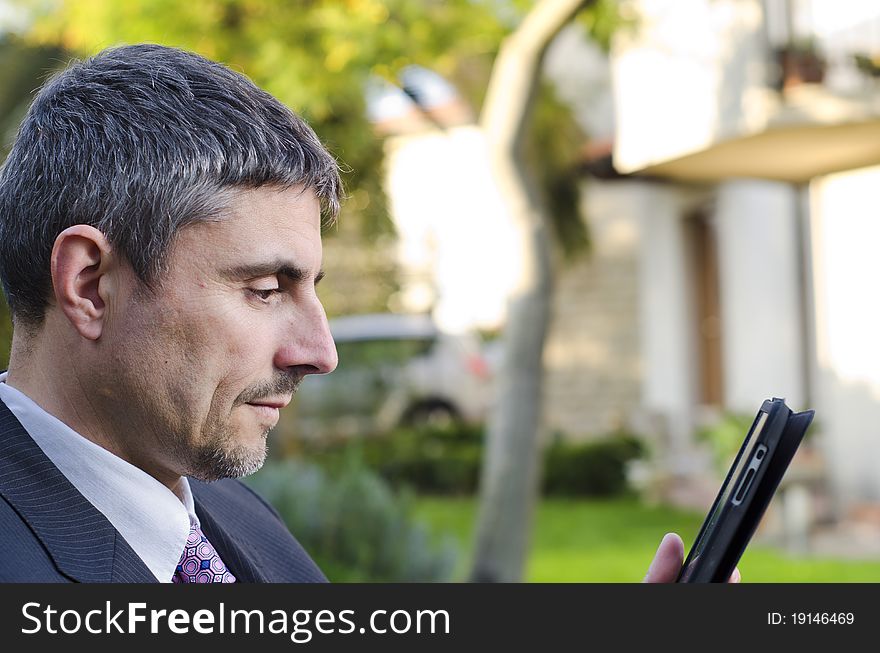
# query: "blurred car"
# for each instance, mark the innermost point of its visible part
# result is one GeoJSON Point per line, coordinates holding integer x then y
{"type": "Point", "coordinates": [395, 370]}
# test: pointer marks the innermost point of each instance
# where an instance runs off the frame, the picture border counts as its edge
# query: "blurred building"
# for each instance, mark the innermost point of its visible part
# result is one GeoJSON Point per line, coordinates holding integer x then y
{"type": "Point", "coordinates": [454, 238]}
{"type": "Point", "coordinates": [744, 139]}
{"type": "Point", "coordinates": [756, 249]}
{"type": "Point", "coordinates": [729, 192]}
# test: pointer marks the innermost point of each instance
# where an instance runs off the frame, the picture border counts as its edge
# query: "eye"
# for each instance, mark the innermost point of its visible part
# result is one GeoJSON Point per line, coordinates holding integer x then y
{"type": "Point", "coordinates": [264, 294]}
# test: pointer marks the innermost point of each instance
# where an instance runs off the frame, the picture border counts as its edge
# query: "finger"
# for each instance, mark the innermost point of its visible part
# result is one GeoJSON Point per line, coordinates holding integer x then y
{"type": "Point", "coordinates": [735, 577]}
{"type": "Point", "coordinates": [667, 561]}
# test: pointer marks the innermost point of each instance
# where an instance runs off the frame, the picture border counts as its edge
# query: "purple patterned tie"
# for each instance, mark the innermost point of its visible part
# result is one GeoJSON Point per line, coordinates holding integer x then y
{"type": "Point", "coordinates": [200, 563]}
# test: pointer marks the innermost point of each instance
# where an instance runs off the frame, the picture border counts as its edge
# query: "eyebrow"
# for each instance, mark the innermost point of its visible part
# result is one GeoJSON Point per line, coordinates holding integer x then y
{"type": "Point", "coordinates": [287, 269]}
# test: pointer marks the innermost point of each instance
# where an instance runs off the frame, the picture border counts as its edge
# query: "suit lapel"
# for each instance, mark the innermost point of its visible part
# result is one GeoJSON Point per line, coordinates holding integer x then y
{"type": "Point", "coordinates": [243, 561]}
{"type": "Point", "coordinates": [80, 540]}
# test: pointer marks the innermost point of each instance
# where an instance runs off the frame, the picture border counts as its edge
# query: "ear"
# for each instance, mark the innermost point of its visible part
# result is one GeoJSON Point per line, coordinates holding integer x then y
{"type": "Point", "coordinates": [81, 261]}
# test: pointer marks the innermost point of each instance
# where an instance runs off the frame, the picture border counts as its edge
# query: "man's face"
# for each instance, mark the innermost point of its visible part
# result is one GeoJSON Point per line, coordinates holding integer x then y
{"type": "Point", "coordinates": [197, 372]}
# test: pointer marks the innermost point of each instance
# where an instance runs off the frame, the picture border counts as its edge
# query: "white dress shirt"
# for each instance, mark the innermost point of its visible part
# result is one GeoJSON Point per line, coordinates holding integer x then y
{"type": "Point", "coordinates": [153, 520]}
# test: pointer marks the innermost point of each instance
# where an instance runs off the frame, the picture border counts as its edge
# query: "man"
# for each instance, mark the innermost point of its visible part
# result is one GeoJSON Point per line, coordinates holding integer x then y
{"type": "Point", "coordinates": [160, 222]}
{"type": "Point", "coordinates": [159, 247]}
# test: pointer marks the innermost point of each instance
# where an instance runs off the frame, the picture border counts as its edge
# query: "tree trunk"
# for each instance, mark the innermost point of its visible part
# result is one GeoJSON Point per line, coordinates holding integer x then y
{"type": "Point", "coordinates": [509, 481]}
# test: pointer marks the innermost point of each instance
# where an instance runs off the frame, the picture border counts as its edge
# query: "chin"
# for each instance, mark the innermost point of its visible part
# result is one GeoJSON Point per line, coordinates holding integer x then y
{"type": "Point", "coordinates": [263, 418]}
{"type": "Point", "coordinates": [216, 463]}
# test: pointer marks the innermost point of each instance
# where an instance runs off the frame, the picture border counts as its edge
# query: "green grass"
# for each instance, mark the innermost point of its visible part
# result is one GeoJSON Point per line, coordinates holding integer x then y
{"type": "Point", "coordinates": [614, 541]}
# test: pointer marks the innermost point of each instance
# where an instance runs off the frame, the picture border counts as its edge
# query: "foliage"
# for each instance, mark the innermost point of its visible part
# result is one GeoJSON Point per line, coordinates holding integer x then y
{"type": "Point", "coordinates": [352, 523]}
{"type": "Point", "coordinates": [725, 437]}
{"type": "Point", "coordinates": [21, 70]}
{"type": "Point", "coordinates": [596, 468]}
{"type": "Point", "coordinates": [5, 333]}
{"type": "Point", "coordinates": [447, 459]}
{"type": "Point", "coordinates": [553, 144]}
{"type": "Point", "coordinates": [432, 459]}
{"type": "Point", "coordinates": [604, 19]}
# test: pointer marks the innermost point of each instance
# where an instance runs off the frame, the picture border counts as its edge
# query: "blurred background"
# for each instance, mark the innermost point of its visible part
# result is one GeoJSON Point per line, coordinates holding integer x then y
{"type": "Point", "coordinates": [707, 171]}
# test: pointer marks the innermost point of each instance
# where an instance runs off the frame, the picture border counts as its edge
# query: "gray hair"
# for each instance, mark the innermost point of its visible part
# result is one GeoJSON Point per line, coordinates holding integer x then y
{"type": "Point", "coordinates": [138, 142]}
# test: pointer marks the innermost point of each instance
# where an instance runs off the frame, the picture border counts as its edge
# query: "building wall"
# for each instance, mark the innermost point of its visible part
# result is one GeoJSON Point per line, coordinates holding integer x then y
{"type": "Point", "coordinates": [761, 301]}
{"type": "Point", "coordinates": [845, 233]}
{"type": "Point", "coordinates": [670, 371]}
{"type": "Point", "coordinates": [592, 356]}
{"type": "Point", "coordinates": [457, 247]}
{"type": "Point", "coordinates": [620, 352]}
{"type": "Point", "coordinates": [691, 73]}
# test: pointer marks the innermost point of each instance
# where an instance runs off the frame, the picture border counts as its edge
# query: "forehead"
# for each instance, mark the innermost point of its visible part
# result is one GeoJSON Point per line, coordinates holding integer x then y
{"type": "Point", "coordinates": [258, 225]}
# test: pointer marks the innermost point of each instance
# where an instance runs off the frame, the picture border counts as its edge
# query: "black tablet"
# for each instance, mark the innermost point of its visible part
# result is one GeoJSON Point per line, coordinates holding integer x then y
{"type": "Point", "coordinates": [753, 478]}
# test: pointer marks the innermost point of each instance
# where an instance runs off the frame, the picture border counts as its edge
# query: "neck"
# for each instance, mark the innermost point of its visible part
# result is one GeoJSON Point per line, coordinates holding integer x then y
{"type": "Point", "coordinates": [60, 388]}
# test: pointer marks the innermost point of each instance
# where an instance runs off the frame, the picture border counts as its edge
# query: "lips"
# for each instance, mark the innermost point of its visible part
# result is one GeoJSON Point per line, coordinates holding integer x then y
{"type": "Point", "coordinates": [271, 403]}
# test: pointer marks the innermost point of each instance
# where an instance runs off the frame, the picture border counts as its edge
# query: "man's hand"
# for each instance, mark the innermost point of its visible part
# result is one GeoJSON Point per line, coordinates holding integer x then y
{"type": "Point", "coordinates": [668, 560]}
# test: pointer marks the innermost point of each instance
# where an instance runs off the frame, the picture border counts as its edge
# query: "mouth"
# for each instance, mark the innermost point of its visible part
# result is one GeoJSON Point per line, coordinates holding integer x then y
{"type": "Point", "coordinates": [277, 404]}
{"type": "Point", "coordinates": [267, 413]}
{"type": "Point", "coordinates": [268, 410]}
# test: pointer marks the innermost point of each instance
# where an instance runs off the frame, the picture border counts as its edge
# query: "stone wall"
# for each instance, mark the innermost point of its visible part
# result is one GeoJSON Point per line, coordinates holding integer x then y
{"type": "Point", "coordinates": [593, 380]}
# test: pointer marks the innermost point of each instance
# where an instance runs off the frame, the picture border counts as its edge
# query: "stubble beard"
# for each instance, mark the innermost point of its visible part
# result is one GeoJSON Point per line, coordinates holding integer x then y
{"type": "Point", "coordinates": [220, 454]}
{"type": "Point", "coordinates": [219, 457]}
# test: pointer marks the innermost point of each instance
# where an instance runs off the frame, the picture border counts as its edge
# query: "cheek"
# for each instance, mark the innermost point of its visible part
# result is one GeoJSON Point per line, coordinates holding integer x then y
{"type": "Point", "coordinates": [181, 354]}
{"type": "Point", "coordinates": [205, 353]}
{"type": "Point", "coordinates": [232, 354]}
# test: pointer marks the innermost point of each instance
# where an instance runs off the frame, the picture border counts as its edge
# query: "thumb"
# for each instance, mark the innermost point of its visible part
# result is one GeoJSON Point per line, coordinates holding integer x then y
{"type": "Point", "coordinates": [667, 561]}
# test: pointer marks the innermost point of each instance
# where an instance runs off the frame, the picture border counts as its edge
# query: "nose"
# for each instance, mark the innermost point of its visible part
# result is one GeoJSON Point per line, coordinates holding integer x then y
{"type": "Point", "coordinates": [308, 344]}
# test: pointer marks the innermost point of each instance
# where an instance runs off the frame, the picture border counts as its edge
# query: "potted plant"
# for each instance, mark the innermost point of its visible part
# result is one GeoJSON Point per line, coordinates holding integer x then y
{"type": "Point", "coordinates": [799, 62]}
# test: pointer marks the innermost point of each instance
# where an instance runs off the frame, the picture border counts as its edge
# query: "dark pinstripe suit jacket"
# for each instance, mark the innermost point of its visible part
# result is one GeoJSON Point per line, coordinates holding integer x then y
{"type": "Point", "coordinates": [50, 533]}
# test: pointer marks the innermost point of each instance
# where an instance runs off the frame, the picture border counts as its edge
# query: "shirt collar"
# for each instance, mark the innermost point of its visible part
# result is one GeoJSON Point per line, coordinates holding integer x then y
{"type": "Point", "coordinates": [153, 520]}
